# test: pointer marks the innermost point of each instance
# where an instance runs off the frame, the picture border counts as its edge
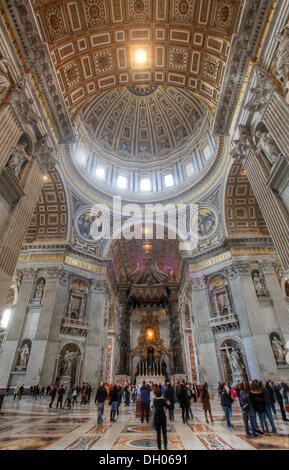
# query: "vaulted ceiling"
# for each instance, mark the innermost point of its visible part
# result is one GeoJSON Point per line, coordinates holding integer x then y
{"type": "Point", "coordinates": [93, 44]}
{"type": "Point", "coordinates": [129, 255]}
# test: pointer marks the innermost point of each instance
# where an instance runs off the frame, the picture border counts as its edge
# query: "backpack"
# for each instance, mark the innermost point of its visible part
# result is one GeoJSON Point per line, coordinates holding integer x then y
{"type": "Point", "coordinates": [244, 403]}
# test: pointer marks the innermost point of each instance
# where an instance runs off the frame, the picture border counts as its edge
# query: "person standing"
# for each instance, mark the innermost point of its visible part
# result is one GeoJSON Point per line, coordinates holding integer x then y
{"type": "Point", "coordinates": [279, 399]}
{"type": "Point", "coordinates": [113, 403]}
{"type": "Point", "coordinates": [100, 397]}
{"type": "Point", "coordinates": [61, 393]}
{"type": "Point", "coordinates": [16, 392]}
{"type": "Point", "coordinates": [53, 392]}
{"type": "Point", "coordinates": [249, 414]}
{"type": "Point", "coordinates": [160, 419]}
{"type": "Point", "coordinates": [21, 391]}
{"type": "Point", "coordinates": [206, 402]}
{"type": "Point", "coordinates": [170, 398]}
{"type": "Point", "coordinates": [226, 402]}
{"type": "Point", "coordinates": [258, 402]}
{"type": "Point", "coordinates": [268, 407]}
{"type": "Point", "coordinates": [74, 396]}
{"type": "Point", "coordinates": [69, 397]}
{"type": "Point", "coordinates": [145, 401]}
{"type": "Point", "coordinates": [184, 403]}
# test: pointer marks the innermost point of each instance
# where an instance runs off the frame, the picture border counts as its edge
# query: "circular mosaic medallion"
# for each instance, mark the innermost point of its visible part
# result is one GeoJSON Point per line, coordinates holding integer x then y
{"type": "Point", "coordinates": [55, 22]}
{"type": "Point", "coordinates": [91, 225]}
{"type": "Point", "coordinates": [95, 12]}
{"type": "Point", "coordinates": [205, 223]}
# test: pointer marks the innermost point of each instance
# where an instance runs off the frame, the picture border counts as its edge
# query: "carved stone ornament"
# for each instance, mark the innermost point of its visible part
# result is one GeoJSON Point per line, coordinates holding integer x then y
{"type": "Point", "coordinates": [242, 48]}
{"type": "Point", "coordinates": [198, 283]}
{"type": "Point", "coordinates": [241, 146]}
{"type": "Point", "coordinates": [232, 272]}
{"type": "Point", "coordinates": [282, 60]}
{"type": "Point", "coordinates": [261, 92]}
{"type": "Point", "coordinates": [38, 58]}
{"type": "Point", "coordinates": [99, 287]}
{"type": "Point", "coordinates": [268, 145]}
{"type": "Point", "coordinates": [29, 274]}
{"type": "Point", "coordinates": [243, 268]}
{"type": "Point", "coordinates": [4, 80]}
{"type": "Point", "coordinates": [17, 159]}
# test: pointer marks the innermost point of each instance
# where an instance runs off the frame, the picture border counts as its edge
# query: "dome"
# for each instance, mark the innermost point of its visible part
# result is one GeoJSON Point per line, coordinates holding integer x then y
{"type": "Point", "coordinates": [144, 123]}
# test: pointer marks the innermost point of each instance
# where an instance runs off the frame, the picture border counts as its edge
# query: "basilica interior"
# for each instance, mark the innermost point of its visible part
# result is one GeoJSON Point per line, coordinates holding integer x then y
{"type": "Point", "coordinates": [144, 200]}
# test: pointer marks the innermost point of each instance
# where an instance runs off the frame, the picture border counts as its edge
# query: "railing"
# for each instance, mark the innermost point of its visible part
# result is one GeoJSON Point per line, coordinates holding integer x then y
{"type": "Point", "coordinates": [224, 322]}
{"type": "Point", "coordinates": [74, 327]}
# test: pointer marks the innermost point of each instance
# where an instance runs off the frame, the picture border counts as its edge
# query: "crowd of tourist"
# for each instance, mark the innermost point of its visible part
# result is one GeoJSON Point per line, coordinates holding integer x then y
{"type": "Point", "coordinates": [256, 400]}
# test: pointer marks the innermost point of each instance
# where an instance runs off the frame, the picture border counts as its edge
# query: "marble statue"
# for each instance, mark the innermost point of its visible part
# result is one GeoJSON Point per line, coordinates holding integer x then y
{"type": "Point", "coordinates": [259, 285]}
{"type": "Point", "coordinates": [4, 82]}
{"type": "Point", "coordinates": [278, 349]}
{"type": "Point", "coordinates": [235, 362]}
{"type": "Point", "coordinates": [267, 143]}
{"type": "Point", "coordinates": [282, 60]}
{"type": "Point", "coordinates": [67, 363]}
{"type": "Point", "coordinates": [24, 356]}
{"type": "Point", "coordinates": [18, 158]}
{"type": "Point", "coordinates": [39, 291]}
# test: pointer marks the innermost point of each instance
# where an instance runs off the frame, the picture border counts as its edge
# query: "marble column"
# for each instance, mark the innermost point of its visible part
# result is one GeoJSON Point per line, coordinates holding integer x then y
{"type": "Point", "coordinates": [10, 132]}
{"type": "Point", "coordinates": [49, 327]}
{"type": "Point", "coordinates": [260, 357]}
{"type": "Point", "coordinates": [9, 350]}
{"type": "Point", "coordinates": [46, 342]}
{"type": "Point", "coordinates": [205, 344]}
{"type": "Point", "coordinates": [94, 342]}
{"type": "Point", "coordinates": [246, 332]}
{"type": "Point", "coordinates": [279, 302]}
{"type": "Point", "coordinates": [15, 231]}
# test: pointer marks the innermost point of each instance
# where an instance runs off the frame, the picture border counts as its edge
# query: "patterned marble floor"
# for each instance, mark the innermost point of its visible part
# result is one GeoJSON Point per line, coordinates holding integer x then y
{"type": "Point", "coordinates": [31, 425]}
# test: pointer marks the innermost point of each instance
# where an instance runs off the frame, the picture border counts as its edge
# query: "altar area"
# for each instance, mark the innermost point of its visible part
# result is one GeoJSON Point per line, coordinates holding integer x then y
{"type": "Point", "coordinates": [156, 379]}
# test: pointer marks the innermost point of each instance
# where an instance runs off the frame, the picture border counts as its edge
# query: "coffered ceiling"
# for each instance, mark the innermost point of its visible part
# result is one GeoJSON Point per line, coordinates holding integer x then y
{"type": "Point", "coordinates": [93, 44]}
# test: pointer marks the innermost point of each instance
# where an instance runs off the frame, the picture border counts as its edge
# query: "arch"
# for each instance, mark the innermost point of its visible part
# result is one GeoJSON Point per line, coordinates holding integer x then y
{"type": "Point", "coordinates": [243, 217]}
{"type": "Point", "coordinates": [50, 219]}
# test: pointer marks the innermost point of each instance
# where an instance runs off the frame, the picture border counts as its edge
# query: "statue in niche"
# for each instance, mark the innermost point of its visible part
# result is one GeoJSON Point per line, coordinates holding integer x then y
{"type": "Point", "coordinates": [236, 363]}
{"type": "Point", "coordinates": [18, 159]}
{"type": "Point", "coordinates": [223, 303]}
{"type": "Point", "coordinates": [67, 363]}
{"type": "Point", "coordinates": [4, 82]}
{"type": "Point", "coordinates": [268, 144]}
{"type": "Point", "coordinates": [39, 291]}
{"type": "Point", "coordinates": [259, 284]}
{"type": "Point", "coordinates": [282, 60]}
{"type": "Point", "coordinates": [278, 349]}
{"type": "Point", "coordinates": [24, 354]}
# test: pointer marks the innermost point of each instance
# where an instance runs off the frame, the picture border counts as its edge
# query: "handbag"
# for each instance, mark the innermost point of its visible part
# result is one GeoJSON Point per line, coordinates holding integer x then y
{"type": "Point", "coordinates": [287, 407]}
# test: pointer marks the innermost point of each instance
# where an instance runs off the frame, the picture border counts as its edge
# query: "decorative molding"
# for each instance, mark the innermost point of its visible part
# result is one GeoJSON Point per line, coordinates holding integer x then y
{"type": "Point", "coordinates": [38, 58]}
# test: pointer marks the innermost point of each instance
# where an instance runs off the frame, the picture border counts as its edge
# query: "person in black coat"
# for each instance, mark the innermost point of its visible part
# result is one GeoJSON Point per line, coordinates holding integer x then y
{"type": "Point", "coordinates": [258, 402]}
{"type": "Point", "coordinates": [100, 399]}
{"type": "Point", "coordinates": [170, 398]}
{"type": "Point", "coordinates": [61, 393]}
{"type": "Point", "coordinates": [160, 419]}
{"type": "Point", "coordinates": [52, 394]}
{"type": "Point", "coordinates": [184, 403]}
{"type": "Point", "coordinates": [280, 400]}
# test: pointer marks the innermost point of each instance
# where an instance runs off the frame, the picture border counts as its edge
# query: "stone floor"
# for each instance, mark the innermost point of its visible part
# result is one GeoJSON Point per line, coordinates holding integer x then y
{"type": "Point", "coordinates": [31, 425]}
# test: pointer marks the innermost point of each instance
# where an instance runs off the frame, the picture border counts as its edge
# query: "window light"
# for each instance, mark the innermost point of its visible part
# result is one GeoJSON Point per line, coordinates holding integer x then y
{"type": "Point", "coordinates": [169, 181]}
{"type": "Point", "coordinates": [100, 172]}
{"type": "Point", "coordinates": [122, 182]}
{"type": "Point", "coordinates": [145, 185]}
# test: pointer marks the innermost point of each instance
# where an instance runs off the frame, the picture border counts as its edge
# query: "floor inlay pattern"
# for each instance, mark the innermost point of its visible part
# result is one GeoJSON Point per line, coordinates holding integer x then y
{"type": "Point", "coordinates": [31, 425]}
